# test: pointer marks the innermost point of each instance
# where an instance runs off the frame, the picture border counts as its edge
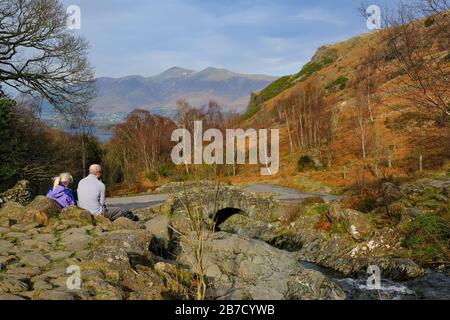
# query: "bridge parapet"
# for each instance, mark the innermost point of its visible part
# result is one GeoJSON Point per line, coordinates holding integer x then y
{"type": "Point", "coordinates": [214, 198]}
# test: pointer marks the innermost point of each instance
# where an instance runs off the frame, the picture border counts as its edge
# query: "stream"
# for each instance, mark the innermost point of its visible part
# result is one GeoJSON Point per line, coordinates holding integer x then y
{"type": "Point", "coordinates": [435, 285]}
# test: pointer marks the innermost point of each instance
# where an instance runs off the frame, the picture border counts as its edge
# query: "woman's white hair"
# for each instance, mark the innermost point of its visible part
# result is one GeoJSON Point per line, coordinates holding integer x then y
{"type": "Point", "coordinates": [63, 177]}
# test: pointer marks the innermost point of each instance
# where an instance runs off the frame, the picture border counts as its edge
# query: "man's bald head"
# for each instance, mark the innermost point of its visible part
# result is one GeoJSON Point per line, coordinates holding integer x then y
{"type": "Point", "coordinates": [95, 169]}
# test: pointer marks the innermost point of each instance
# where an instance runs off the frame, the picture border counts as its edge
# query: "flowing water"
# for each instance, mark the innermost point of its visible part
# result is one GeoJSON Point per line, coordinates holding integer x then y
{"type": "Point", "coordinates": [435, 285]}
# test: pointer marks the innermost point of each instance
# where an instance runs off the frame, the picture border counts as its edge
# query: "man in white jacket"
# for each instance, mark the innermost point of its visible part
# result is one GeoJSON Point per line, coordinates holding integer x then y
{"type": "Point", "coordinates": [91, 196]}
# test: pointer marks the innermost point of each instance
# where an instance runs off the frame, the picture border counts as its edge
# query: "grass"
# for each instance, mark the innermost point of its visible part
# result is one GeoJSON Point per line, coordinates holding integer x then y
{"type": "Point", "coordinates": [428, 239]}
{"type": "Point", "coordinates": [272, 90]}
{"type": "Point", "coordinates": [283, 83]}
{"type": "Point", "coordinates": [338, 227]}
{"type": "Point", "coordinates": [304, 183]}
{"type": "Point", "coordinates": [321, 208]}
{"type": "Point", "coordinates": [338, 84]}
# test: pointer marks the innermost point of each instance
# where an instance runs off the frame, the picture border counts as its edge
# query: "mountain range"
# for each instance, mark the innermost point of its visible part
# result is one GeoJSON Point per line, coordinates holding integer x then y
{"type": "Point", "coordinates": [160, 93]}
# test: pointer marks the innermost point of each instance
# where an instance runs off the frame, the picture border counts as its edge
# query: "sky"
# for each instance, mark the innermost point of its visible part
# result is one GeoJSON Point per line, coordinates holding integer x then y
{"type": "Point", "coordinates": [273, 37]}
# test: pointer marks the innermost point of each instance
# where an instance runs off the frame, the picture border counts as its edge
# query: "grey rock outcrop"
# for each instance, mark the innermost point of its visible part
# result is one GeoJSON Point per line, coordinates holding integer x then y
{"type": "Point", "coordinates": [239, 268]}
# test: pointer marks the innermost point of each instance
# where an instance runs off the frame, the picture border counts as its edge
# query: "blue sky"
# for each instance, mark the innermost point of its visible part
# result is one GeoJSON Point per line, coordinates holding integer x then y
{"type": "Point", "coordinates": [274, 37]}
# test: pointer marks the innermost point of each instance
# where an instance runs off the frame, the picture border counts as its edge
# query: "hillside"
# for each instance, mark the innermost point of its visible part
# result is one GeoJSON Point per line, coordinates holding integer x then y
{"type": "Point", "coordinates": [353, 114]}
{"type": "Point", "coordinates": [160, 93]}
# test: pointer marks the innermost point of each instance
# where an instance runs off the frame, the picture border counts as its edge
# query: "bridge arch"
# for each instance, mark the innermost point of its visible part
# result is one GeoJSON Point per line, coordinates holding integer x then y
{"type": "Point", "coordinates": [225, 202]}
{"type": "Point", "coordinates": [223, 214]}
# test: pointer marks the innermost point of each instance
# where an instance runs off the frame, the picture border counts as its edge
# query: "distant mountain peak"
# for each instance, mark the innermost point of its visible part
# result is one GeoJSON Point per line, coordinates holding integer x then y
{"type": "Point", "coordinates": [174, 72]}
{"type": "Point", "coordinates": [160, 93]}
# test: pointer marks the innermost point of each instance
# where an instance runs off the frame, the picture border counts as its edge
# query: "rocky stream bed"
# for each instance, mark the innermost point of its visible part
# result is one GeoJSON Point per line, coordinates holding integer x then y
{"type": "Point", "coordinates": [251, 255]}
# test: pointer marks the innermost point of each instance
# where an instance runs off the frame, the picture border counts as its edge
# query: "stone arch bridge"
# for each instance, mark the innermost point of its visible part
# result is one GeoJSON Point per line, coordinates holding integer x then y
{"type": "Point", "coordinates": [220, 202]}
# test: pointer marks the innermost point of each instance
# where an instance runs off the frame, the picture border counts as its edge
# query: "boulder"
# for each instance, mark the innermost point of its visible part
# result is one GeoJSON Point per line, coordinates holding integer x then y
{"type": "Point", "coordinates": [23, 273]}
{"type": "Point", "coordinates": [17, 236]}
{"type": "Point", "coordinates": [76, 214]}
{"type": "Point", "coordinates": [356, 223]}
{"type": "Point", "coordinates": [13, 211]}
{"type": "Point", "coordinates": [117, 266]}
{"type": "Point", "coordinates": [134, 242]}
{"type": "Point", "coordinates": [180, 225]}
{"type": "Point", "coordinates": [5, 260]}
{"type": "Point", "coordinates": [34, 259]}
{"type": "Point", "coordinates": [75, 239]}
{"type": "Point", "coordinates": [144, 283]}
{"type": "Point", "coordinates": [238, 268]}
{"type": "Point", "coordinates": [102, 222]}
{"type": "Point", "coordinates": [161, 235]}
{"type": "Point", "coordinates": [42, 285]}
{"type": "Point", "coordinates": [399, 269]}
{"type": "Point", "coordinates": [146, 213]}
{"type": "Point", "coordinates": [102, 289]}
{"type": "Point", "coordinates": [159, 227]}
{"type": "Point", "coordinates": [111, 261]}
{"type": "Point", "coordinates": [10, 284]}
{"type": "Point", "coordinates": [59, 294]}
{"type": "Point", "coordinates": [8, 296]}
{"type": "Point", "coordinates": [40, 210]}
{"type": "Point", "coordinates": [247, 227]}
{"type": "Point", "coordinates": [5, 222]}
{"type": "Point", "coordinates": [32, 244]}
{"type": "Point", "coordinates": [58, 255]}
{"type": "Point", "coordinates": [20, 193]}
{"type": "Point", "coordinates": [123, 223]}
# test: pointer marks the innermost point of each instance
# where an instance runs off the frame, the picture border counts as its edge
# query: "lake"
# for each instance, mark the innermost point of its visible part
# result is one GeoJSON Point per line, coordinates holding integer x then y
{"type": "Point", "coordinates": [103, 137]}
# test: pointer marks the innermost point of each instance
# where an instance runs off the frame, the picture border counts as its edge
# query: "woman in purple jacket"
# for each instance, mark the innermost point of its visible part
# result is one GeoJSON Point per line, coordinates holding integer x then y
{"type": "Point", "coordinates": [61, 192]}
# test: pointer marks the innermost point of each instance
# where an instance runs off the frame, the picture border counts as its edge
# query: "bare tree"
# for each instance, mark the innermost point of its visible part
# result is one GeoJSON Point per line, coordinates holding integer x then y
{"type": "Point", "coordinates": [420, 50]}
{"type": "Point", "coordinates": [79, 118]}
{"type": "Point", "coordinates": [143, 144]}
{"type": "Point", "coordinates": [40, 56]}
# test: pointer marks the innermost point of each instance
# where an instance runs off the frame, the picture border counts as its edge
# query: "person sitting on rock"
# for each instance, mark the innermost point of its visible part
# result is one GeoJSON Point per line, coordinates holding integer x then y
{"type": "Point", "coordinates": [91, 196]}
{"type": "Point", "coordinates": [60, 193]}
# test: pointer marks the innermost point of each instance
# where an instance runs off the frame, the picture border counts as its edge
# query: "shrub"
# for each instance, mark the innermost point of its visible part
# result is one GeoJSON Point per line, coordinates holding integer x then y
{"type": "Point", "coordinates": [309, 69]}
{"type": "Point", "coordinates": [321, 208]}
{"type": "Point", "coordinates": [324, 225]}
{"type": "Point", "coordinates": [314, 66]}
{"type": "Point", "coordinates": [306, 163]}
{"type": "Point", "coordinates": [338, 84]}
{"type": "Point", "coordinates": [272, 90]}
{"type": "Point", "coordinates": [164, 170]}
{"type": "Point", "coordinates": [429, 22]}
{"type": "Point", "coordinates": [151, 176]}
{"type": "Point", "coordinates": [283, 83]}
{"type": "Point", "coordinates": [365, 200]}
{"type": "Point", "coordinates": [427, 237]}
